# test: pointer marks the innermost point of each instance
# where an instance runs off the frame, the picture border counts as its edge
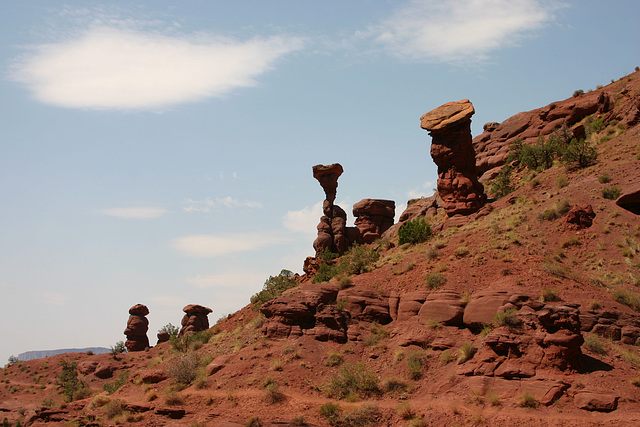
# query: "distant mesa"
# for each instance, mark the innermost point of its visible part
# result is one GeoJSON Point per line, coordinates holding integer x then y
{"type": "Point", "coordinates": [137, 327]}
{"type": "Point", "coordinates": [195, 319]}
{"type": "Point", "coordinates": [39, 354]}
{"type": "Point", "coordinates": [452, 151]}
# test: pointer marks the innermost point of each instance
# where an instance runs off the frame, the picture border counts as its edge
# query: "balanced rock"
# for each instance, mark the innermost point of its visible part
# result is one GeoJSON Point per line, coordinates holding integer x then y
{"type": "Point", "coordinates": [452, 151]}
{"type": "Point", "coordinates": [373, 217]}
{"type": "Point", "coordinates": [328, 176]}
{"type": "Point", "coordinates": [137, 327]}
{"type": "Point", "coordinates": [195, 319]}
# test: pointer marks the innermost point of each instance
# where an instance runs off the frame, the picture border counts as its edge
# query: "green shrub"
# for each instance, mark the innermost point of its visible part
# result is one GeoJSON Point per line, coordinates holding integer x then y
{"type": "Point", "coordinates": [378, 332]}
{"type": "Point", "coordinates": [611, 193]}
{"type": "Point", "coordinates": [579, 154]}
{"type": "Point", "coordinates": [170, 329]}
{"type": "Point", "coordinates": [356, 260]}
{"type": "Point", "coordinates": [435, 280]}
{"type": "Point", "coordinates": [561, 181]}
{"type": "Point", "coordinates": [333, 359]}
{"type": "Point", "coordinates": [415, 362]}
{"type": "Point", "coordinates": [273, 287]}
{"type": "Point", "coordinates": [461, 252]}
{"type": "Point", "coordinates": [414, 231]}
{"type": "Point", "coordinates": [604, 179]}
{"type": "Point", "coordinates": [189, 342]}
{"type": "Point", "coordinates": [119, 348]}
{"type": "Point", "coordinates": [578, 92]}
{"type": "Point", "coordinates": [501, 185]}
{"type": "Point", "coordinates": [68, 383]}
{"type": "Point", "coordinates": [352, 381]}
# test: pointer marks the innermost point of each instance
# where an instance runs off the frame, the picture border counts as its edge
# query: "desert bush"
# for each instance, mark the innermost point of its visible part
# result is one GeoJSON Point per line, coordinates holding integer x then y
{"type": "Point", "coordinates": [594, 125]}
{"type": "Point", "coordinates": [190, 342]}
{"type": "Point", "coordinates": [414, 231]}
{"type": "Point", "coordinates": [561, 181]}
{"type": "Point", "coordinates": [364, 415]}
{"type": "Point", "coordinates": [579, 154]}
{"type": "Point", "coordinates": [170, 329]}
{"type": "Point", "coordinates": [578, 92]}
{"type": "Point", "coordinates": [501, 184]}
{"type": "Point", "coordinates": [461, 252]}
{"type": "Point", "coordinates": [406, 411]}
{"type": "Point", "coordinates": [594, 344]}
{"type": "Point", "coordinates": [273, 287]}
{"type": "Point", "coordinates": [415, 362]}
{"type": "Point", "coordinates": [272, 394]}
{"type": "Point", "coordinates": [630, 299]}
{"type": "Point", "coordinates": [394, 385]}
{"type": "Point", "coordinates": [333, 358]}
{"type": "Point", "coordinates": [173, 399]}
{"type": "Point", "coordinates": [253, 422]}
{"type": "Point", "coordinates": [378, 332]}
{"type": "Point", "coordinates": [117, 349]}
{"type": "Point", "coordinates": [508, 317]}
{"type": "Point", "coordinates": [113, 409]}
{"type": "Point", "coordinates": [68, 383]}
{"type": "Point", "coordinates": [184, 369]}
{"type": "Point", "coordinates": [550, 295]}
{"type": "Point", "coordinates": [352, 381]}
{"type": "Point", "coordinates": [527, 400]}
{"type": "Point", "coordinates": [435, 280]}
{"type": "Point", "coordinates": [611, 193]}
{"type": "Point", "coordinates": [467, 351]}
{"type": "Point", "coordinates": [356, 260]}
{"type": "Point", "coordinates": [604, 179]}
{"type": "Point", "coordinates": [331, 411]}
{"type": "Point", "coordinates": [112, 386]}
{"type": "Point", "coordinates": [594, 304]}
{"type": "Point", "coordinates": [447, 357]}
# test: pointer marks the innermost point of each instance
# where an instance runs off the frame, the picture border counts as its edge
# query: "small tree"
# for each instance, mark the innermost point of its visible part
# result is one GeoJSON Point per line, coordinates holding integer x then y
{"type": "Point", "coordinates": [68, 383]}
{"type": "Point", "coordinates": [414, 231]}
{"type": "Point", "coordinates": [579, 154]}
{"type": "Point", "coordinates": [273, 287]}
{"type": "Point", "coordinates": [170, 329]}
{"type": "Point", "coordinates": [119, 348]}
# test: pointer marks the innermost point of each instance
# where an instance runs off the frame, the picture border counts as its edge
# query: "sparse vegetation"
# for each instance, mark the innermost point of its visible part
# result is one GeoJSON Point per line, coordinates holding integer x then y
{"type": "Point", "coordinates": [68, 383]}
{"type": "Point", "coordinates": [170, 329]}
{"type": "Point", "coordinates": [447, 357]}
{"type": "Point", "coordinates": [333, 358]}
{"type": "Point", "coordinates": [184, 369]}
{"type": "Point", "coordinates": [630, 299]}
{"type": "Point", "coordinates": [117, 349]}
{"type": "Point", "coordinates": [550, 295]}
{"type": "Point", "coordinates": [611, 193]}
{"type": "Point", "coordinates": [501, 185]}
{"type": "Point", "coordinates": [356, 260]}
{"type": "Point", "coordinates": [604, 179]}
{"type": "Point", "coordinates": [594, 344]}
{"type": "Point", "coordinates": [414, 231]}
{"type": "Point", "coordinates": [467, 351]}
{"type": "Point", "coordinates": [435, 280]}
{"type": "Point", "coordinates": [273, 287]}
{"type": "Point", "coordinates": [527, 400]}
{"type": "Point", "coordinates": [378, 332]}
{"type": "Point", "coordinates": [352, 381]}
{"type": "Point", "coordinates": [415, 362]}
{"type": "Point", "coordinates": [190, 342]}
{"type": "Point", "coordinates": [508, 317]}
{"type": "Point", "coordinates": [112, 386]}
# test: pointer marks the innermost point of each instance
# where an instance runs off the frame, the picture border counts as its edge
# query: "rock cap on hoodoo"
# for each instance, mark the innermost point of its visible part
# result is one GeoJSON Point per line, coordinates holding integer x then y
{"type": "Point", "coordinates": [139, 310]}
{"type": "Point", "coordinates": [328, 176]}
{"type": "Point", "coordinates": [448, 114]}
{"type": "Point", "coordinates": [193, 309]}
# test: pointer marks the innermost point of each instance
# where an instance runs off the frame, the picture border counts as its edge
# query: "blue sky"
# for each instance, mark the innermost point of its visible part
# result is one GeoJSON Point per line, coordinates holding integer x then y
{"type": "Point", "coordinates": [160, 152]}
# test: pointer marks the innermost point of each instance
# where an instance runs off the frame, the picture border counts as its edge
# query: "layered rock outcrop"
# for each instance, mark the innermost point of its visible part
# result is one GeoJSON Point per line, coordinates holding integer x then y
{"type": "Point", "coordinates": [452, 151]}
{"type": "Point", "coordinates": [195, 319]}
{"type": "Point", "coordinates": [137, 327]}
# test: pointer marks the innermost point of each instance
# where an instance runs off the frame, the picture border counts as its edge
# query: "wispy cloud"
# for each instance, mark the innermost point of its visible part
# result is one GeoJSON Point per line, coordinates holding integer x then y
{"type": "Point", "coordinates": [228, 280]}
{"type": "Point", "coordinates": [136, 212]}
{"type": "Point", "coordinates": [209, 246]}
{"type": "Point", "coordinates": [460, 30]}
{"type": "Point", "coordinates": [206, 205]}
{"type": "Point", "coordinates": [124, 67]}
{"type": "Point", "coordinates": [425, 190]}
{"type": "Point", "coordinates": [304, 220]}
{"type": "Point", "coordinates": [53, 298]}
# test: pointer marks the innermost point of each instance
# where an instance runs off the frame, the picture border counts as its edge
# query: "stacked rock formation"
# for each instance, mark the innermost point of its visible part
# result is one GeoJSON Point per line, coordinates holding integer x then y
{"type": "Point", "coordinates": [332, 227]}
{"type": "Point", "coordinates": [373, 217]}
{"type": "Point", "coordinates": [452, 151]}
{"type": "Point", "coordinates": [195, 319]}
{"type": "Point", "coordinates": [137, 327]}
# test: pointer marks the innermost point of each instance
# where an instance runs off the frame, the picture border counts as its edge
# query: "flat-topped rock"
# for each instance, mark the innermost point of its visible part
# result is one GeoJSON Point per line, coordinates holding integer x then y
{"type": "Point", "coordinates": [446, 115]}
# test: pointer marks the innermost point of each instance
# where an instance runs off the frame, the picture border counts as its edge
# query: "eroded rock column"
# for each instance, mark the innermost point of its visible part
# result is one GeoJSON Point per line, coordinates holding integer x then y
{"type": "Point", "coordinates": [137, 327]}
{"type": "Point", "coordinates": [195, 319]}
{"type": "Point", "coordinates": [452, 151]}
{"type": "Point", "coordinates": [331, 230]}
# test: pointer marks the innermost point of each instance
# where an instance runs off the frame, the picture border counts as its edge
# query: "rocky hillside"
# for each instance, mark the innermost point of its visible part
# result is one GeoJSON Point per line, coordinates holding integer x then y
{"type": "Point", "coordinates": [518, 302]}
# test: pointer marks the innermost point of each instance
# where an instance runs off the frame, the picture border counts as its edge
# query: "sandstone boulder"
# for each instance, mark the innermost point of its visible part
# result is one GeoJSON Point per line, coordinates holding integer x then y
{"type": "Point", "coordinates": [592, 401]}
{"type": "Point", "coordinates": [580, 216]}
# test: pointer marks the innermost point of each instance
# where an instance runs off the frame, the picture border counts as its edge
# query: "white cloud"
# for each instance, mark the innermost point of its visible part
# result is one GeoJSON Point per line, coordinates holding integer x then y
{"type": "Point", "coordinates": [139, 212]}
{"type": "Point", "coordinates": [110, 67]}
{"type": "Point", "coordinates": [207, 204]}
{"type": "Point", "coordinates": [425, 190]}
{"type": "Point", "coordinates": [304, 220]}
{"type": "Point", "coordinates": [460, 30]}
{"type": "Point", "coordinates": [209, 246]}
{"type": "Point", "coordinates": [228, 280]}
